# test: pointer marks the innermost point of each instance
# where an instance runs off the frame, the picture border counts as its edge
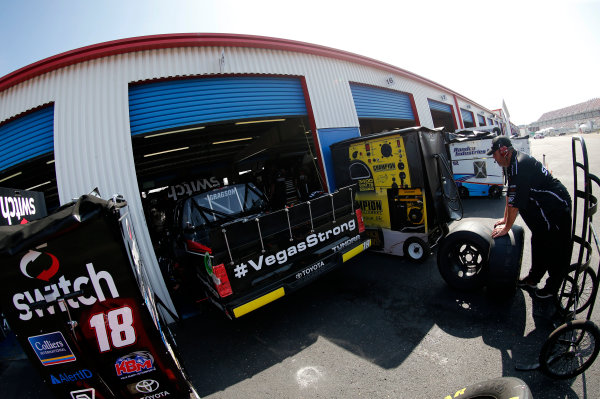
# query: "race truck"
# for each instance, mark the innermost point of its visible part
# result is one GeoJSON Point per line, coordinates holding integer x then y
{"type": "Point", "coordinates": [245, 255]}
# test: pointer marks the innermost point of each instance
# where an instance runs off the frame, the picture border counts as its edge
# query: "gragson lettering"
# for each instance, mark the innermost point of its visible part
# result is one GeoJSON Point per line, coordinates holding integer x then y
{"type": "Point", "coordinates": [15, 207]}
{"type": "Point", "coordinates": [282, 256]}
{"type": "Point", "coordinates": [23, 300]}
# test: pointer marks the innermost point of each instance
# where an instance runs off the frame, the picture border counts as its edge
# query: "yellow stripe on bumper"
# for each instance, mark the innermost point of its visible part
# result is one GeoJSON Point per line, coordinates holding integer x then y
{"type": "Point", "coordinates": [258, 302]}
{"type": "Point", "coordinates": [356, 250]}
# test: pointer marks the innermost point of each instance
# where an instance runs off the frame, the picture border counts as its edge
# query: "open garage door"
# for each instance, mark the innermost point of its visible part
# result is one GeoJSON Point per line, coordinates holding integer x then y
{"type": "Point", "coordinates": [468, 118]}
{"type": "Point", "coordinates": [381, 109]}
{"type": "Point", "coordinates": [442, 115]}
{"type": "Point", "coordinates": [195, 135]}
{"type": "Point", "coordinates": [27, 154]}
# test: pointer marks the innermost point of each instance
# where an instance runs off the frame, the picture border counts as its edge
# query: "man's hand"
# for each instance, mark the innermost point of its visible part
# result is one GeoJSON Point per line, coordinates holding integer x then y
{"type": "Point", "coordinates": [499, 231]}
{"type": "Point", "coordinates": [499, 222]}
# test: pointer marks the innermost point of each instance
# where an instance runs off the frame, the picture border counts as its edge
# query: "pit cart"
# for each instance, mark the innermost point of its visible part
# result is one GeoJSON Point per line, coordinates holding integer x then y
{"type": "Point", "coordinates": [405, 188]}
{"type": "Point", "coordinates": [75, 293]}
{"type": "Point", "coordinates": [572, 347]}
{"type": "Point", "coordinates": [476, 173]}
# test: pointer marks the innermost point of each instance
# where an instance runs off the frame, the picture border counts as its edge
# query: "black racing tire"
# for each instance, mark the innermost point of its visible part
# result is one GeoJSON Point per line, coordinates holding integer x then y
{"type": "Point", "coordinates": [498, 388]}
{"type": "Point", "coordinates": [570, 349]}
{"type": "Point", "coordinates": [586, 291]}
{"type": "Point", "coordinates": [416, 249]}
{"type": "Point", "coordinates": [463, 192]}
{"type": "Point", "coordinates": [495, 191]}
{"type": "Point", "coordinates": [506, 254]}
{"type": "Point", "coordinates": [463, 255]}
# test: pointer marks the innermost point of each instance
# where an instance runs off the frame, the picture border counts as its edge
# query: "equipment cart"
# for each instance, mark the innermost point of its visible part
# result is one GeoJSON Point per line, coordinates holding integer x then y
{"type": "Point", "coordinates": [405, 188]}
{"type": "Point", "coordinates": [574, 345]}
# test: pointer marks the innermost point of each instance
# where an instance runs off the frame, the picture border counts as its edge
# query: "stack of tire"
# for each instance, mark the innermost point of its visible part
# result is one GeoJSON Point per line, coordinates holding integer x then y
{"type": "Point", "coordinates": [469, 258]}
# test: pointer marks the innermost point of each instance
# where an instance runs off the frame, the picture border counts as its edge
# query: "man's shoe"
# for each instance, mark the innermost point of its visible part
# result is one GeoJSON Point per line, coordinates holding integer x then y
{"type": "Point", "coordinates": [544, 293]}
{"type": "Point", "coordinates": [527, 282]}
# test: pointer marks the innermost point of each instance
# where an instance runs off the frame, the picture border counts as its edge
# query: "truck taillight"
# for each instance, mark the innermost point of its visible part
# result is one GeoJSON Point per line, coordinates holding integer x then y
{"type": "Point", "coordinates": [367, 147]}
{"type": "Point", "coordinates": [359, 218]}
{"type": "Point", "coordinates": [221, 281]}
{"type": "Point", "coordinates": [194, 246]}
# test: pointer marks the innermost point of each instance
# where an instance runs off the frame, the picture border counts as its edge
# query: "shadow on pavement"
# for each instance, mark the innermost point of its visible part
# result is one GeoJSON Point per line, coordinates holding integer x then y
{"type": "Point", "coordinates": [377, 307]}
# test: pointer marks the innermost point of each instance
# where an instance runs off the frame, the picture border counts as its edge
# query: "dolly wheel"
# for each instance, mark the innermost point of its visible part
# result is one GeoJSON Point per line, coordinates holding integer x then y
{"type": "Point", "coordinates": [570, 349]}
{"type": "Point", "coordinates": [416, 249]}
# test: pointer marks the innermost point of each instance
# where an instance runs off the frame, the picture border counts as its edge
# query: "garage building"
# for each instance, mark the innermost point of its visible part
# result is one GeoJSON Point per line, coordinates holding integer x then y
{"type": "Point", "coordinates": [159, 117]}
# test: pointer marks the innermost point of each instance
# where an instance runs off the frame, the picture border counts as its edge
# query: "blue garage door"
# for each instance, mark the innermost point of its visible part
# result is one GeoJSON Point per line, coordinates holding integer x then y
{"type": "Point", "coordinates": [467, 116]}
{"type": "Point", "coordinates": [375, 103]}
{"type": "Point", "coordinates": [27, 137]}
{"type": "Point", "coordinates": [188, 102]}
{"type": "Point", "coordinates": [438, 106]}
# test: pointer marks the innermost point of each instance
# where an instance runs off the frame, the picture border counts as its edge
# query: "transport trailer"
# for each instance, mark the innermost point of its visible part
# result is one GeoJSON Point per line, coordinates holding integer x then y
{"type": "Point", "coordinates": [405, 188]}
{"type": "Point", "coordinates": [476, 173]}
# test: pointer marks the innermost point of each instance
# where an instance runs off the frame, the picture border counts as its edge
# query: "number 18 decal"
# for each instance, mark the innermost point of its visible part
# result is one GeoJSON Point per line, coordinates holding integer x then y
{"type": "Point", "coordinates": [119, 323]}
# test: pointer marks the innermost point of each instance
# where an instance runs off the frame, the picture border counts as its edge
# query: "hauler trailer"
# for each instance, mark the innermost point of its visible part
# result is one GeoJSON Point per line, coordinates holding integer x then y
{"type": "Point", "coordinates": [405, 188]}
{"type": "Point", "coordinates": [476, 173]}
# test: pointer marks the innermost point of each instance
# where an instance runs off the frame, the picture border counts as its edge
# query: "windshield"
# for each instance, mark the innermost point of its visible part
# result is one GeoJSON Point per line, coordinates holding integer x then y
{"type": "Point", "coordinates": [222, 204]}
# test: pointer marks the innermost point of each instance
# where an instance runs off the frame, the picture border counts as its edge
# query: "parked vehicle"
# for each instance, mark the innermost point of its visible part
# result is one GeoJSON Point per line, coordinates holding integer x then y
{"type": "Point", "coordinates": [245, 256]}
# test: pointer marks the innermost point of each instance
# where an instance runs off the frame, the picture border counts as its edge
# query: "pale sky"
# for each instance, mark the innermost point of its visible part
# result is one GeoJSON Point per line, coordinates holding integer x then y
{"type": "Point", "coordinates": [536, 55]}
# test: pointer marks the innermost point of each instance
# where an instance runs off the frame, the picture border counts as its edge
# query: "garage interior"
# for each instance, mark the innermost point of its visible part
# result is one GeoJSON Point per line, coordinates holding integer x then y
{"type": "Point", "coordinates": [201, 158]}
{"type": "Point", "coordinates": [37, 174]}
{"type": "Point", "coordinates": [443, 119]}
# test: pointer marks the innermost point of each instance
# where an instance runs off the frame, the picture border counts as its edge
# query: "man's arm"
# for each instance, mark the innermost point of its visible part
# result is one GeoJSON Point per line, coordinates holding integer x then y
{"type": "Point", "coordinates": [511, 215]}
{"type": "Point", "coordinates": [503, 220]}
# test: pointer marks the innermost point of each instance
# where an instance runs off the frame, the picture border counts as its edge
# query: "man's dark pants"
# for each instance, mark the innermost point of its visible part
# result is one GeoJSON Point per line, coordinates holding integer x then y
{"type": "Point", "coordinates": [551, 249]}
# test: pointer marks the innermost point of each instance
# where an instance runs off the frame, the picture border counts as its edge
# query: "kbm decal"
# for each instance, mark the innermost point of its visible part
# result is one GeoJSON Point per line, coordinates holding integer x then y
{"type": "Point", "coordinates": [281, 257]}
{"type": "Point", "coordinates": [52, 348]}
{"type": "Point", "coordinates": [23, 300]}
{"type": "Point", "coordinates": [15, 207]}
{"type": "Point", "coordinates": [189, 188]}
{"type": "Point", "coordinates": [79, 375]}
{"type": "Point", "coordinates": [133, 364]}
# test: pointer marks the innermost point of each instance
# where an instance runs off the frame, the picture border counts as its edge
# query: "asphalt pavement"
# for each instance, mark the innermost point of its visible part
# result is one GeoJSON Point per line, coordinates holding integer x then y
{"type": "Point", "coordinates": [380, 327]}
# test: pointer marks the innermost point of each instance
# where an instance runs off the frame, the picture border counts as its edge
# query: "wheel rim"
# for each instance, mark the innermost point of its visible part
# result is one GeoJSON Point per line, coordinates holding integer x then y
{"type": "Point", "coordinates": [571, 351]}
{"type": "Point", "coordinates": [415, 250]}
{"type": "Point", "coordinates": [466, 260]}
{"type": "Point", "coordinates": [576, 297]}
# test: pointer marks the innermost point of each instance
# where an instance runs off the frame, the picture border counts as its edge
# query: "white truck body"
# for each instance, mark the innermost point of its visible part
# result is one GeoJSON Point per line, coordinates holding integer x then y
{"type": "Point", "coordinates": [476, 171]}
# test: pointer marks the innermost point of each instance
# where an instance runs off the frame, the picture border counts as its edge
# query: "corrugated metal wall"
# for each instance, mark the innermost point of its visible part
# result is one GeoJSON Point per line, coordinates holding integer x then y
{"type": "Point", "coordinates": [92, 128]}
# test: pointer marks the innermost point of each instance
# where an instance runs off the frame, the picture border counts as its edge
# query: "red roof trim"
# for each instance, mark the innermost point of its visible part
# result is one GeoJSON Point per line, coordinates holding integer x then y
{"type": "Point", "coordinates": [155, 42]}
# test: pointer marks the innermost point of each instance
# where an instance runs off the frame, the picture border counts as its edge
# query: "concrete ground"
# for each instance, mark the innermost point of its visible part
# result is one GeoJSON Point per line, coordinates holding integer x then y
{"type": "Point", "coordinates": [380, 327]}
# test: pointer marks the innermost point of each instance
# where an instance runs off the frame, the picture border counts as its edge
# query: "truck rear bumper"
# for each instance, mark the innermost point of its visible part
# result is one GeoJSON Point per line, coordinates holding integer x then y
{"type": "Point", "coordinates": [293, 282]}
